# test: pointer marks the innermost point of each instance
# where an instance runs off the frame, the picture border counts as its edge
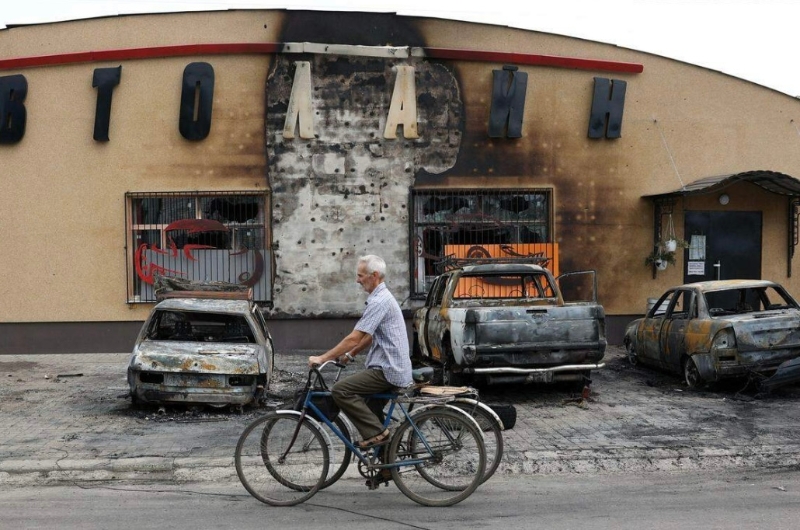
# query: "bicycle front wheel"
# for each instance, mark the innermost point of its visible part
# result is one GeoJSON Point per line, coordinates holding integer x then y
{"type": "Point", "coordinates": [280, 460]}
{"type": "Point", "coordinates": [444, 457]}
{"type": "Point", "coordinates": [340, 454]}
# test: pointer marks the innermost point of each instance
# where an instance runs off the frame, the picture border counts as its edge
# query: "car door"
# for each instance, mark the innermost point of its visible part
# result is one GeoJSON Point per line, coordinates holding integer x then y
{"type": "Point", "coordinates": [648, 336]}
{"type": "Point", "coordinates": [681, 310]}
{"type": "Point", "coordinates": [434, 320]}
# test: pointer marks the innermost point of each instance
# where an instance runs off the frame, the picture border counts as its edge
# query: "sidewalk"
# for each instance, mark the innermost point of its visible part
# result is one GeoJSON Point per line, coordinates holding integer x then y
{"type": "Point", "coordinates": [68, 418]}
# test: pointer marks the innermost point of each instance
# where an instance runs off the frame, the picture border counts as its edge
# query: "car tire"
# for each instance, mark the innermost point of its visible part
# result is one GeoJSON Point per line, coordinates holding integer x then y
{"type": "Point", "coordinates": [507, 414]}
{"type": "Point", "coordinates": [631, 350]}
{"type": "Point", "coordinates": [691, 375]}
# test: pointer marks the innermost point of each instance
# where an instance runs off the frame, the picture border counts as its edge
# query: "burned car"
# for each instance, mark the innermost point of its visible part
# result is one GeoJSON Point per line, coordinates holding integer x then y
{"type": "Point", "coordinates": [195, 349]}
{"type": "Point", "coordinates": [717, 330]}
{"type": "Point", "coordinates": [508, 323]}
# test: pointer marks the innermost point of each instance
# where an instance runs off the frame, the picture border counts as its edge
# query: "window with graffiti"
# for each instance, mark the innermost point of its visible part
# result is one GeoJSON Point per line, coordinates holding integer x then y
{"type": "Point", "coordinates": [453, 228]}
{"type": "Point", "coordinates": [207, 236]}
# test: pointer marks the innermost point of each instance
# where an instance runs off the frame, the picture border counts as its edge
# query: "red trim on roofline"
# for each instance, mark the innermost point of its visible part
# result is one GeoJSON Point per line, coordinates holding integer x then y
{"type": "Point", "coordinates": [534, 60]}
{"type": "Point", "coordinates": [275, 47]}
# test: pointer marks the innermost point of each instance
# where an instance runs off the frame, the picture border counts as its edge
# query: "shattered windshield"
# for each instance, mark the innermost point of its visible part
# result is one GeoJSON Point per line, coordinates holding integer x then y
{"type": "Point", "coordinates": [747, 300]}
{"type": "Point", "coordinates": [200, 327]}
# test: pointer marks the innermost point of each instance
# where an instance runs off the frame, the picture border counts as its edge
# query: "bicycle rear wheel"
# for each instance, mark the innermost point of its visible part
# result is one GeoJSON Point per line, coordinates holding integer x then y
{"type": "Point", "coordinates": [453, 467]}
{"type": "Point", "coordinates": [279, 463]}
{"type": "Point", "coordinates": [492, 435]}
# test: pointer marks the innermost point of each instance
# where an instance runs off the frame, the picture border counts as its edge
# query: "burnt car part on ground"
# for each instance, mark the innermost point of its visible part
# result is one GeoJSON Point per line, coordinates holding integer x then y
{"type": "Point", "coordinates": [506, 323]}
{"type": "Point", "coordinates": [717, 330]}
{"type": "Point", "coordinates": [202, 347]}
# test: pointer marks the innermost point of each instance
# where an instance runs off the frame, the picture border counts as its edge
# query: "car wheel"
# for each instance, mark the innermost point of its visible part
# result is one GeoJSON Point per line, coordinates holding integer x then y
{"type": "Point", "coordinates": [629, 347]}
{"type": "Point", "coordinates": [692, 375]}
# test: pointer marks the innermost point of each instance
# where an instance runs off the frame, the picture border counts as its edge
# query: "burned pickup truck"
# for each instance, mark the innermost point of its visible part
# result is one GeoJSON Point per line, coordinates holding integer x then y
{"type": "Point", "coordinates": [508, 323]}
{"type": "Point", "coordinates": [201, 347]}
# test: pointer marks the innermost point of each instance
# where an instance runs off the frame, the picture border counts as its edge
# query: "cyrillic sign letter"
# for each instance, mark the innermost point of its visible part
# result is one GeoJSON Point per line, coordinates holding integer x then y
{"type": "Point", "coordinates": [300, 103]}
{"type": "Point", "coordinates": [13, 89]}
{"type": "Point", "coordinates": [197, 97]}
{"type": "Point", "coordinates": [508, 102]}
{"type": "Point", "coordinates": [403, 109]}
{"type": "Point", "coordinates": [104, 79]}
{"type": "Point", "coordinates": [607, 106]}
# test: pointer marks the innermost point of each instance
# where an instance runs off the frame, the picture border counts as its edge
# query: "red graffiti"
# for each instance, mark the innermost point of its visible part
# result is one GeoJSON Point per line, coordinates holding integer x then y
{"type": "Point", "coordinates": [146, 270]}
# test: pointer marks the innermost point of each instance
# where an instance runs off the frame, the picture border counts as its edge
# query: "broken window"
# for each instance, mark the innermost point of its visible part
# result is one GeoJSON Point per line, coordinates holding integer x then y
{"type": "Point", "coordinates": [746, 300]}
{"type": "Point", "coordinates": [503, 286]}
{"type": "Point", "coordinates": [208, 236]}
{"type": "Point", "coordinates": [188, 326]}
{"type": "Point", "coordinates": [452, 228]}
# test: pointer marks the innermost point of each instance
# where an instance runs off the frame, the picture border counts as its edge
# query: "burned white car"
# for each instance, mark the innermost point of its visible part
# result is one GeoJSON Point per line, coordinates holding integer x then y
{"type": "Point", "coordinates": [717, 330]}
{"type": "Point", "coordinates": [201, 351]}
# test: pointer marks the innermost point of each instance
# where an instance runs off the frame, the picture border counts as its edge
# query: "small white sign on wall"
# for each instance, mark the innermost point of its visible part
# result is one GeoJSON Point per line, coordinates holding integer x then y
{"type": "Point", "coordinates": [696, 268]}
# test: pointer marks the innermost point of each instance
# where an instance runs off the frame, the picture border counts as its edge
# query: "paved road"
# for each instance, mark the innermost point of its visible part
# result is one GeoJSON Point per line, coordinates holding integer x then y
{"type": "Point", "coordinates": [67, 418]}
{"type": "Point", "coordinates": [653, 501]}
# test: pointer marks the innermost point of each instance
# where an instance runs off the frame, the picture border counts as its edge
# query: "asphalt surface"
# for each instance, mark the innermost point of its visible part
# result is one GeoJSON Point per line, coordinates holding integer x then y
{"type": "Point", "coordinates": [68, 418]}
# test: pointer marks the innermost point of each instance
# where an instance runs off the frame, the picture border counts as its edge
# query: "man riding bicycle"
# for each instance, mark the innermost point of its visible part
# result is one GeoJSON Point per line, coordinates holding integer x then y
{"type": "Point", "coordinates": [382, 329]}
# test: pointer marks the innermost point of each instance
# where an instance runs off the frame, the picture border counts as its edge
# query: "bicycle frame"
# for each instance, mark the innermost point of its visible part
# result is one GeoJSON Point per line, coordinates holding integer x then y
{"type": "Point", "coordinates": [357, 451]}
{"type": "Point", "coordinates": [362, 455]}
{"type": "Point", "coordinates": [442, 446]}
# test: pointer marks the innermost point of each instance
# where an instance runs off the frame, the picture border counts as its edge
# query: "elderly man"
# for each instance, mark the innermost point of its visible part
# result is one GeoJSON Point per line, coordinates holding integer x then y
{"type": "Point", "coordinates": [382, 329]}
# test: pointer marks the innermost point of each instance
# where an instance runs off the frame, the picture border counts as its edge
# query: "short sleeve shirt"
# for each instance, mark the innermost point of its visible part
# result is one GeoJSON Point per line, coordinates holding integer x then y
{"type": "Point", "coordinates": [383, 320]}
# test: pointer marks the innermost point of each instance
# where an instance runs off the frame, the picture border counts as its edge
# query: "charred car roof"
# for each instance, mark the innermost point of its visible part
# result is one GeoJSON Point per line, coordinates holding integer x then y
{"type": "Point", "coordinates": [501, 268]}
{"type": "Point", "coordinates": [206, 305]}
{"type": "Point", "coordinates": [721, 285]}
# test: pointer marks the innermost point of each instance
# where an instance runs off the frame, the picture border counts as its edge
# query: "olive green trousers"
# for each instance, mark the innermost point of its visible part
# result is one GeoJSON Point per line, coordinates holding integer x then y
{"type": "Point", "coordinates": [350, 392]}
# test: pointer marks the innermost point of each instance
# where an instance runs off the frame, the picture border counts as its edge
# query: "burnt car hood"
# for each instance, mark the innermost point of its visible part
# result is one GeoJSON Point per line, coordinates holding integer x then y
{"type": "Point", "coordinates": [172, 356]}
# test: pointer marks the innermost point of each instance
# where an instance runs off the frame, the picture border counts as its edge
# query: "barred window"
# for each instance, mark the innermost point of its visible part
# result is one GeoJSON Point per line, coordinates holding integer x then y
{"type": "Point", "coordinates": [452, 228]}
{"type": "Point", "coordinates": [204, 236]}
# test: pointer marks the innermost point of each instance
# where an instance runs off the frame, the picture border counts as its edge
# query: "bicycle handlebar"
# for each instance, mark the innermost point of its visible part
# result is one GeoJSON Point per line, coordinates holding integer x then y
{"type": "Point", "coordinates": [326, 363]}
{"type": "Point", "coordinates": [317, 368]}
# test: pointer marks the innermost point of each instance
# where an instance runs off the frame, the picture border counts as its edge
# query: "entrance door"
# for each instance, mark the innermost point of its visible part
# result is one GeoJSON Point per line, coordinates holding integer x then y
{"type": "Point", "coordinates": [724, 246]}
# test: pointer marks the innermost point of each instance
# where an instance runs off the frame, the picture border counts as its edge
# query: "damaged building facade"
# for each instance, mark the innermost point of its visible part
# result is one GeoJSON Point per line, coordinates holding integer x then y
{"type": "Point", "coordinates": [271, 148]}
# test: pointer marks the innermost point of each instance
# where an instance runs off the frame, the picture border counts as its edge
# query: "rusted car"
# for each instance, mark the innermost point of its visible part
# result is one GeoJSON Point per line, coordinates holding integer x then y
{"type": "Point", "coordinates": [503, 323]}
{"type": "Point", "coordinates": [717, 330]}
{"type": "Point", "coordinates": [195, 349]}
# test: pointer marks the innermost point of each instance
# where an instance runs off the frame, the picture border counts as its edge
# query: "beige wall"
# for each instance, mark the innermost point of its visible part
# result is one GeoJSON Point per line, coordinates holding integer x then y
{"type": "Point", "coordinates": [63, 231]}
{"type": "Point", "coordinates": [62, 225]}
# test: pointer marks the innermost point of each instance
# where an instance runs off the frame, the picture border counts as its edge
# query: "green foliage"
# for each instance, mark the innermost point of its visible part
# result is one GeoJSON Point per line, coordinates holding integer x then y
{"type": "Point", "coordinates": [660, 254]}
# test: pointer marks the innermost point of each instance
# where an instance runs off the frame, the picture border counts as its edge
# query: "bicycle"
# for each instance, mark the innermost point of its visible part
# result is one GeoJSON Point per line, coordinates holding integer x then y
{"type": "Point", "coordinates": [465, 399]}
{"type": "Point", "coordinates": [436, 456]}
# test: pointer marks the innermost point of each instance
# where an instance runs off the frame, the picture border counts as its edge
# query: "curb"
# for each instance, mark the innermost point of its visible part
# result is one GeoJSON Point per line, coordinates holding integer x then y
{"type": "Point", "coordinates": [551, 462]}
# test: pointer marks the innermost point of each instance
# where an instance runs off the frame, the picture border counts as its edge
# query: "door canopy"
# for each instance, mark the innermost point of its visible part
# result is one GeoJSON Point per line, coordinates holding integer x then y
{"type": "Point", "coordinates": [771, 181]}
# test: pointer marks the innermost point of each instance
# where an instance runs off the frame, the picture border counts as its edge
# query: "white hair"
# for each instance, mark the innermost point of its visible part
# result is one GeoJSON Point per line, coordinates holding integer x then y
{"type": "Point", "coordinates": [374, 263]}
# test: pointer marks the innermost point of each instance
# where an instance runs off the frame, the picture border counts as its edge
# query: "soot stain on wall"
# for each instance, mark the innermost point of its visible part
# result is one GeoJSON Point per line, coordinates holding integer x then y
{"type": "Point", "coordinates": [345, 192]}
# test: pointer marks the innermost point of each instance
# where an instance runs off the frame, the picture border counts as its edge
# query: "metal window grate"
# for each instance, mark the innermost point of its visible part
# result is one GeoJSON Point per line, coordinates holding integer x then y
{"type": "Point", "coordinates": [451, 228]}
{"type": "Point", "coordinates": [203, 236]}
